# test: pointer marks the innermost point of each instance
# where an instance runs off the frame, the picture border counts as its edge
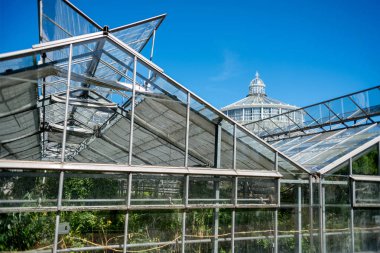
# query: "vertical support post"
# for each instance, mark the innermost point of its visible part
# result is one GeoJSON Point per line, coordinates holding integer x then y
{"type": "Point", "coordinates": [129, 190]}
{"type": "Point", "coordinates": [132, 111]}
{"type": "Point", "coordinates": [324, 218]}
{"type": "Point", "coordinates": [235, 203]}
{"type": "Point", "coordinates": [187, 130]}
{"type": "Point", "coordinates": [278, 204]}
{"type": "Point", "coordinates": [183, 244]}
{"type": "Point", "coordinates": [218, 141]}
{"type": "Point", "coordinates": [40, 10]}
{"type": "Point", "coordinates": [43, 93]}
{"type": "Point", "coordinates": [378, 158]}
{"type": "Point", "coordinates": [151, 56]}
{"type": "Point", "coordinates": [186, 203]}
{"type": "Point", "coordinates": [58, 216]}
{"type": "Point", "coordinates": [61, 174]}
{"type": "Point", "coordinates": [153, 41]}
{"type": "Point", "coordinates": [299, 218]}
{"type": "Point", "coordinates": [311, 221]}
{"type": "Point", "coordinates": [235, 191]}
{"type": "Point", "coordinates": [128, 204]}
{"type": "Point", "coordinates": [125, 241]}
{"type": "Point", "coordinates": [66, 104]}
{"type": "Point", "coordinates": [352, 229]}
{"type": "Point", "coordinates": [276, 161]}
{"type": "Point", "coordinates": [186, 191]}
{"type": "Point", "coordinates": [353, 200]}
{"type": "Point", "coordinates": [216, 214]}
{"type": "Point", "coordinates": [276, 231]}
{"type": "Point", "coordinates": [233, 231]}
{"type": "Point", "coordinates": [234, 148]}
{"type": "Point", "coordinates": [321, 216]}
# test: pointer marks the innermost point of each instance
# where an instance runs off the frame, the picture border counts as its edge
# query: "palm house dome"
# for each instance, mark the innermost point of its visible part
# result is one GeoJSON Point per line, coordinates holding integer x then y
{"type": "Point", "coordinates": [257, 106]}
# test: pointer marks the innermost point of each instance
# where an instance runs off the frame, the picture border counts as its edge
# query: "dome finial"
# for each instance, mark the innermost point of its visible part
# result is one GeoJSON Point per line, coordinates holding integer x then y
{"type": "Point", "coordinates": [257, 86]}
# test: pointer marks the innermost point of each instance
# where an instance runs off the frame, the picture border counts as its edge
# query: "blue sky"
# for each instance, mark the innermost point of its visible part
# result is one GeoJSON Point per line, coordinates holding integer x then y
{"type": "Point", "coordinates": [305, 51]}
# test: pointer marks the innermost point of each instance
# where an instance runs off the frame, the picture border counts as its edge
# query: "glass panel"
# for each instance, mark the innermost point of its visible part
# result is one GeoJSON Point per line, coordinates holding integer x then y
{"type": "Point", "coordinates": [254, 231]}
{"type": "Point", "coordinates": [367, 192]}
{"type": "Point", "coordinates": [227, 145]}
{"type": "Point", "coordinates": [28, 189]}
{"type": "Point", "coordinates": [137, 36]}
{"type": "Point", "coordinates": [19, 118]}
{"type": "Point", "coordinates": [257, 191]}
{"type": "Point", "coordinates": [337, 229]}
{"type": "Point", "coordinates": [91, 228]}
{"type": "Point", "coordinates": [224, 230]}
{"type": "Point", "coordinates": [203, 190]}
{"type": "Point", "coordinates": [199, 224]}
{"type": "Point", "coordinates": [90, 189]}
{"type": "Point", "coordinates": [251, 154]}
{"type": "Point", "coordinates": [287, 230]}
{"type": "Point", "coordinates": [310, 244]}
{"type": "Point", "coordinates": [336, 190]}
{"type": "Point", "coordinates": [157, 189]}
{"type": "Point", "coordinates": [161, 229]}
{"type": "Point", "coordinates": [289, 193]}
{"type": "Point", "coordinates": [289, 170]}
{"type": "Point", "coordinates": [27, 231]}
{"type": "Point", "coordinates": [367, 232]}
{"type": "Point", "coordinates": [202, 136]}
{"type": "Point", "coordinates": [60, 21]}
{"type": "Point", "coordinates": [16, 64]}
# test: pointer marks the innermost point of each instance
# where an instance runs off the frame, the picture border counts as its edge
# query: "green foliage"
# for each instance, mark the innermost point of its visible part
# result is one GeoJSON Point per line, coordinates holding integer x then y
{"type": "Point", "coordinates": [94, 226]}
{"type": "Point", "coordinates": [25, 231]}
{"type": "Point", "coordinates": [81, 188]}
{"type": "Point", "coordinates": [367, 163]}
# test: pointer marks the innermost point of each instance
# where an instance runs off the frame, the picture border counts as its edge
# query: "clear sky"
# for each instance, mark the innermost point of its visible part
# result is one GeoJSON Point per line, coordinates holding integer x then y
{"type": "Point", "coordinates": [305, 51]}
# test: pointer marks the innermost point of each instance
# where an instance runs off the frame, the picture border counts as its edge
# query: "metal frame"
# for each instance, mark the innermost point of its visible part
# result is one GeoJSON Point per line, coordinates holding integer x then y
{"type": "Point", "coordinates": [85, 38]}
{"type": "Point", "coordinates": [129, 204]}
{"type": "Point", "coordinates": [302, 130]}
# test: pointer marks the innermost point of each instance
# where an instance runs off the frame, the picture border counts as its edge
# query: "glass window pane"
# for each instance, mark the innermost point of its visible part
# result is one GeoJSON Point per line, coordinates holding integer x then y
{"type": "Point", "coordinates": [257, 191]}
{"type": "Point", "coordinates": [149, 189]}
{"type": "Point", "coordinates": [251, 154]}
{"type": "Point", "coordinates": [89, 228]}
{"type": "Point", "coordinates": [210, 190]}
{"type": "Point", "coordinates": [366, 227]}
{"type": "Point", "coordinates": [254, 231]}
{"type": "Point", "coordinates": [367, 193]}
{"type": "Point", "coordinates": [28, 189]}
{"type": "Point", "coordinates": [158, 228]}
{"type": "Point", "coordinates": [199, 224]}
{"type": "Point", "coordinates": [94, 189]}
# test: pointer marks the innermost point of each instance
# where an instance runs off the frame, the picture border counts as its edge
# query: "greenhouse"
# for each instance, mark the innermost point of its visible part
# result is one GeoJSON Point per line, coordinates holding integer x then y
{"type": "Point", "coordinates": [102, 151]}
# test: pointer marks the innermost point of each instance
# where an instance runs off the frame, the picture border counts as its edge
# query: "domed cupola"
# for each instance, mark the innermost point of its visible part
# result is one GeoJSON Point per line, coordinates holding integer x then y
{"type": "Point", "coordinates": [257, 86]}
{"type": "Point", "coordinates": [257, 106]}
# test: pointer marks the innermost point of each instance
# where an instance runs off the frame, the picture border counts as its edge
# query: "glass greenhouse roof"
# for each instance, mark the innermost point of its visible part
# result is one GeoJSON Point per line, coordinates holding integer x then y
{"type": "Point", "coordinates": [318, 152]}
{"type": "Point", "coordinates": [331, 131]}
{"type": "Point", "coordinates": [121, 110]}
{"type": "Point", "coordinates": [359, 108]}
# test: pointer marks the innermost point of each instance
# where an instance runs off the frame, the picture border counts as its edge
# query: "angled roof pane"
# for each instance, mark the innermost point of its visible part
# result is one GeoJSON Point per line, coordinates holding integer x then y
{"type": "Point", "coordinates": [137, 35]}
{"type": "Point", "coordinates": [61, 20]}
